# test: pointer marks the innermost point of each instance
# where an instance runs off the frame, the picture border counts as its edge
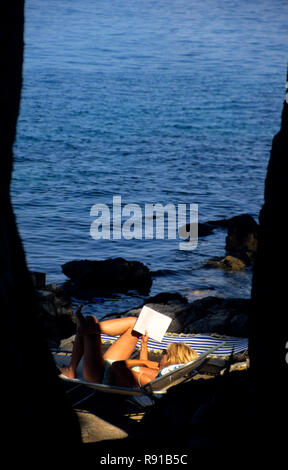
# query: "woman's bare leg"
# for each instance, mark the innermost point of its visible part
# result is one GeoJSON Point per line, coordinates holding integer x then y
{"type": "Point", "coordinates": [93, 358]}
{"type": "Point", "coordinates": [93, 362]}
{"type": "Point", "coordinates": [124, 346]}
{"type": "Point", "coordinates": [88, 344]}
{"type": "Point", "coordinates": [117, 326]}
{"type": "Point", "coordinates": [77, 353]}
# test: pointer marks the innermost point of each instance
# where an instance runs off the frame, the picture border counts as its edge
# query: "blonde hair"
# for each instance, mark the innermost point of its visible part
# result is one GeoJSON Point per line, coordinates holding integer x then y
{"type": "Point", "coordinates": [180, 353]}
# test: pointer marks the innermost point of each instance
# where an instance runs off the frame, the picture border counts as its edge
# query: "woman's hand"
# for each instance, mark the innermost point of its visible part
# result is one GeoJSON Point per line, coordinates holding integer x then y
{"type": "Point", "coordinates": [144, 339]}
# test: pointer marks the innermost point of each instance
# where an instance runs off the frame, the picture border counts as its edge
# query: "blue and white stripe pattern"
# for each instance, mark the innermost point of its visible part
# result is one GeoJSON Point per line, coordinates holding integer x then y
{"type": "Point", "coordinates": [199, 342]}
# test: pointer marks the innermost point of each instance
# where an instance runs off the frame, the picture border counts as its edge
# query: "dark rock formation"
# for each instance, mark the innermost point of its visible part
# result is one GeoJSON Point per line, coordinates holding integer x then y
{"type": "Point", "coordinates": [54, 309]}
{"type": "Point", "coordinates": [37, 420]}
{"type": "Point", "coordinates": [114, 275]}
{"type": "Point", "coordinates": [240, 227]}
{"type": "Point", "coordinates": [242, 237]}
{"type": "Point", "coordinates": [207, 315]}
{"type": "Point", "coordinates": [241, 241]}
{"type": "Point", "coordinates": [38, 279]}
{"type": "Point", "coordinates": [204, 229]}
{"type": "Point", "coordinates": [268, 325]}
{"type": "Point", "coordinates": [55, 313]}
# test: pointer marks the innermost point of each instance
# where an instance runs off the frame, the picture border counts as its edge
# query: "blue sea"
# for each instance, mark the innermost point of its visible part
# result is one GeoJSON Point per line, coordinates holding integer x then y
{"type": "Point", "coordinates": [168, 102]}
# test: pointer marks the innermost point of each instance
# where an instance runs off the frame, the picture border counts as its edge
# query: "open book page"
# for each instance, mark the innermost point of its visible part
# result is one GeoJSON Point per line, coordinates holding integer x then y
{"type": "Point", "coordinates": [154, 322]}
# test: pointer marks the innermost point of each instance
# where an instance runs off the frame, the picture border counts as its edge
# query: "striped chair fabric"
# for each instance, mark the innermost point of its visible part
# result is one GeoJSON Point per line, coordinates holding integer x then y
{"type": "Point", "coordinates": [199, 342]}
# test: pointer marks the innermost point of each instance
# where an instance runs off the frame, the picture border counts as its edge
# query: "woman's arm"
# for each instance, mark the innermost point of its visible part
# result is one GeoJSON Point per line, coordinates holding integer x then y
{"type": "Point", "coordinates": [144, 347]}
{"type": "Point", "coordinates": [143, 356]}
{"type": "Point", "coordinates": [144, 375]}
{"type": "Point", "coordinates": [141, 362]}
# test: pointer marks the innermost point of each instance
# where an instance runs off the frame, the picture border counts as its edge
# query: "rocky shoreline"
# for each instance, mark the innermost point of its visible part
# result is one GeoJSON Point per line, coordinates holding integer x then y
{"type": "Point", "coordinates": [88, 277]}
{"type": "Point", "coordinates": [212, 315]}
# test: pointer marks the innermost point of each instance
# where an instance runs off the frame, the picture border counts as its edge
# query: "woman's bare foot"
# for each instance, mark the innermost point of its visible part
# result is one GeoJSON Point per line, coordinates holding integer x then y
{"type": "Point", "coordinates": [79, 316]}
{"type": "Point", "coordinates": [86, 325]}
{"type": "Point", "coordinates": [68, 372]}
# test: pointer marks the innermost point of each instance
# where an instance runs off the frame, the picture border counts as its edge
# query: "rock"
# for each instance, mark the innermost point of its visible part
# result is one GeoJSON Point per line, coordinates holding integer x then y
{"type": "Point", "coordinates": [173, 305]}
{"type": "Point", "coordinates": [242, 237]}
{"type": "Point", "coordinates": [229, 262]}
{"type": "Point", "coordinates": [202, 411]}
{"type": "Point", "coordinates": [217, 315]}
{"type": "Point", "coordinates": [176, 310]}
{"type": "Point", "coordinates": [94, 429]}
{"type": "Point", "coordinates": [269, 284]}
{"type": "Point", "coordinates": [204, 229]}
{"type": "Point", "coordinates": [38, 279]}
{"type": "Point", "coordinates": [207, 315]}
{"type": "Point", "coordinates": [243, 224]}
{"type": "Point", "coordinates": [55, 313]}
{"type": "Point", "coordinates": [166, 297]}
{"type": "Point", "coordinates": [115, 274]}
{"type": "Point", "coordinates": [210, 324]}
{"type": "Point", "coordinates": [239, 325]}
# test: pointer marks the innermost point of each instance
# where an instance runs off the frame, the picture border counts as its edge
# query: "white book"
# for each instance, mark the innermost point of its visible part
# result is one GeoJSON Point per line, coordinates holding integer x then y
{"type": "Point", "coordinates": [155, 323]}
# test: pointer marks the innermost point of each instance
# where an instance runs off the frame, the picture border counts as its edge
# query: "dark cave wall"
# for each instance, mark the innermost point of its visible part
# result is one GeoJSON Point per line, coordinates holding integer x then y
{"type": "Point", "coordinates": [268, 328]}
{"type": "Point", "coordinates": [36, 414]}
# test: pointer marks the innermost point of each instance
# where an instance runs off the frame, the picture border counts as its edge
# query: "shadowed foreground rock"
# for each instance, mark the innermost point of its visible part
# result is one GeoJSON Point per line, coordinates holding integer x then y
{"type": "Point", "coordinates": [268, 326]}
{"type": "Point", "coordinates": [36, 419]}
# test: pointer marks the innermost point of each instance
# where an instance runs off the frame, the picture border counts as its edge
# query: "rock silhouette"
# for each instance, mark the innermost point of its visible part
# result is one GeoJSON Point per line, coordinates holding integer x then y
{"type": "Point", "coordinates": [116, 274]}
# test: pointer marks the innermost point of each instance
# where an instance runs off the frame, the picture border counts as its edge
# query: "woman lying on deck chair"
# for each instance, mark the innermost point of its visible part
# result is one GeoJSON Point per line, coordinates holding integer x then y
{"type": "Point", "coordinates": [114, 366]}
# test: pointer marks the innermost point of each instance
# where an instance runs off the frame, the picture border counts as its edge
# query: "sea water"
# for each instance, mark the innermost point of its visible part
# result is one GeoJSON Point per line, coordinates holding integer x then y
{"type": "Point", "coordinates": [168, 102]}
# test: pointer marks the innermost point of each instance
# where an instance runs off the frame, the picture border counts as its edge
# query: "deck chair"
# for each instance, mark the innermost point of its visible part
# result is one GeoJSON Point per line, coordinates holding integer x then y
{"type": "Point", "coordinates": [145, 395]}
{"type": "Point", "coordinates": [199, 342]}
